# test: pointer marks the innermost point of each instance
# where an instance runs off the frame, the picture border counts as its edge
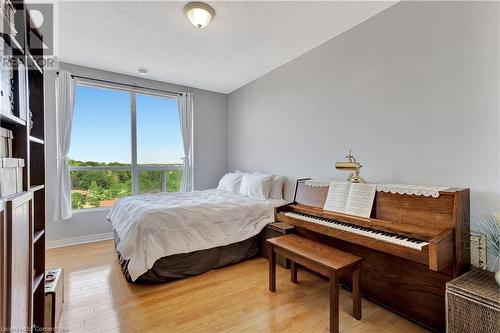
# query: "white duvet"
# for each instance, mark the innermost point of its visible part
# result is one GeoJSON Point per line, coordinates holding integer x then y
{"type": "Point", "coordinates": [156, 225]}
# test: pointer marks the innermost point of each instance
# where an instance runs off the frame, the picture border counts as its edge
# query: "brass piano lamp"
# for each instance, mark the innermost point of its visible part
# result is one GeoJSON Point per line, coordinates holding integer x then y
{"type": "Point", "coordinates": [353, 166]}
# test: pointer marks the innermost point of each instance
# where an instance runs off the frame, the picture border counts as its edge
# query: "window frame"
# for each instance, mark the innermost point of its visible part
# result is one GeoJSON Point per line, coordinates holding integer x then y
{"type": "Point", "coordinates": [134, 168]}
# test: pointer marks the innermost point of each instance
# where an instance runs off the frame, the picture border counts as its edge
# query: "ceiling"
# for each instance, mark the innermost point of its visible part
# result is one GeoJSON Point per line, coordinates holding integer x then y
{"type": "Point", "coordinates": [246, 39]}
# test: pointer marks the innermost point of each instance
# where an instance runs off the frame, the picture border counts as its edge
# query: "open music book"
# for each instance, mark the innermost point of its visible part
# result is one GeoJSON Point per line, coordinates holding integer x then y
{"type": "Point", "coordinates": [350, 198]}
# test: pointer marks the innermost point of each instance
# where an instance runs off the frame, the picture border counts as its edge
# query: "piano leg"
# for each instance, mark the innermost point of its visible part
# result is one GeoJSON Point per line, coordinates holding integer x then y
{"type": "Point", "coordinates": [356, 292]}
{"type": "Point", "coordinates": [272, 269]}
{"type": "Point", "coordinates": [293, 271]}
{"type": "Point", "coordinates": [334, 302]}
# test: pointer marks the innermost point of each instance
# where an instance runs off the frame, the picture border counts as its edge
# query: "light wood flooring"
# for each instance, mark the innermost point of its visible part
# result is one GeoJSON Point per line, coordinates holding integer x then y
{"type": "Point", "coordinates": [231, 299]}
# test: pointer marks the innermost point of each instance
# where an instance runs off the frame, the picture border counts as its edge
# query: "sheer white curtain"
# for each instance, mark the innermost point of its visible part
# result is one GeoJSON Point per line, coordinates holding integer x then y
{"type": "Point", "coordinates": [65, 101]}
{"type": "Point", "coordinates": [186, 122]}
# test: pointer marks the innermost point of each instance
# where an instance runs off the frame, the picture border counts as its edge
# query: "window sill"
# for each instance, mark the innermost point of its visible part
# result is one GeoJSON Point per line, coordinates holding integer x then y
{"type": "Point", "coordinates": [90, 210]}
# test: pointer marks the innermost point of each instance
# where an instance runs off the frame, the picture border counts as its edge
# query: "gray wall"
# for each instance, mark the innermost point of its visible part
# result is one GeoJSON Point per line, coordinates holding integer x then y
{"type": "Point", "coordinates": [210, 148]}
{"type": "Point", "coordinates": [414, 91]}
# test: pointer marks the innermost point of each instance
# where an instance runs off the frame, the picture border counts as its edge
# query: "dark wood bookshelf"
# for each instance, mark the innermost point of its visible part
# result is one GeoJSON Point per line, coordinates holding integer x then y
{"type": "Point", "coordinates": [38, 234]}
{"type": "Point", "coordinates": [34, 63]}
{"type": "Point", "coordinates": [36, 281]}
{"type": "Point", "coordinates": [11, 119]}
{"type": "Point", "coordinates": [12, 42]}
{"type": "Point", "coordinates": [36, 188]}
{"type": "Point", "coordinates": [37, 140]}
{"type": "Point", "coordinates": [22, 216]}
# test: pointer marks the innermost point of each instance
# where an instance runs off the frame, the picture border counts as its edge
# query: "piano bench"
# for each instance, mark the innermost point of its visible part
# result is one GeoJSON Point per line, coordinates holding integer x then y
{"type": "Point", "coordinates": [323, 259]}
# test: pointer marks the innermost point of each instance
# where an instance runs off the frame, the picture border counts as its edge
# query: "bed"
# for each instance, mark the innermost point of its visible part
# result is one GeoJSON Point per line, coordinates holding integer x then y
{"type": "Point", "coordinates": [167, 236]}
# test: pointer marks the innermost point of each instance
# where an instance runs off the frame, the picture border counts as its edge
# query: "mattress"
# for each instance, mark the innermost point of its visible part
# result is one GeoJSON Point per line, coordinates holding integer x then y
{"type": "Point", "coordinates": [153, 226]}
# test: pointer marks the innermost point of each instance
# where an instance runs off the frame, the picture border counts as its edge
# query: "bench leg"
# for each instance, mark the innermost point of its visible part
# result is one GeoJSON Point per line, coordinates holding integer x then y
{"type": "Point", "coordinates": [272, 269]}
{"type": "Point", "coordinates": [334, 302]}
{"type": "Point", "coordinates": [356, 292]}
{"type": "Point", "coordinates": [293, 271]}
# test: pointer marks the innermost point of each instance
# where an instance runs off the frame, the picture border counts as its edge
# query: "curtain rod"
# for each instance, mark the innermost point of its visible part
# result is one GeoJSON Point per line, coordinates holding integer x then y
{"type": "Point", "coordinates": [124, 84]}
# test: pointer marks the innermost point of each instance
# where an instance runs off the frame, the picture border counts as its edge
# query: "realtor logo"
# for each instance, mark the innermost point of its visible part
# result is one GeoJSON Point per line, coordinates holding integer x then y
{"type": "Point", "coordinates": [40, 29]}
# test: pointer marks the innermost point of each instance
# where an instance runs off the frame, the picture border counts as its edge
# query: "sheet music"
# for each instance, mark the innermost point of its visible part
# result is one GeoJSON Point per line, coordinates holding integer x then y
{"type": "Point", "coordinates": [360, 199]}
{"type": "Point", "coordinates": [336, 199]}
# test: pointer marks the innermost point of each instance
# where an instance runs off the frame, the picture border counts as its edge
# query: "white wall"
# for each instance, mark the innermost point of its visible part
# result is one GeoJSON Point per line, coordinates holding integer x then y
{"type": "Point", "coordinates": [414, 91]}
{"type": "Point", "coordinates": [210, 150]}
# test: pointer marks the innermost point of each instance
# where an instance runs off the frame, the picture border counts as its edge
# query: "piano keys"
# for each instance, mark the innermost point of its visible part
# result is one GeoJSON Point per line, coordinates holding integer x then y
{"type": "Point", "coordinates": [412, 245]}
{"type": "Point", "coordinates": [385, 236]}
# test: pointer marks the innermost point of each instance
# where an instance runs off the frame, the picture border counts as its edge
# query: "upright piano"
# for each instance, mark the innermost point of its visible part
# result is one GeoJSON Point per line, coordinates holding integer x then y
{"type": "Point", "coordinates": [412, 245]}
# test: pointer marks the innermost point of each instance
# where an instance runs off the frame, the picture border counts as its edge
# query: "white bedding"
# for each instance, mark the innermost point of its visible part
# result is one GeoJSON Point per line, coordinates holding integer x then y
{"type": "Point", "coordinates": [156, 225]}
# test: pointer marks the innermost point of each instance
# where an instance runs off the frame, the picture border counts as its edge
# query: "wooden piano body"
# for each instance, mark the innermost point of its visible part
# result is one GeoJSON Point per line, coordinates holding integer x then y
{"type": "Point", "coordinates": [407, 281]}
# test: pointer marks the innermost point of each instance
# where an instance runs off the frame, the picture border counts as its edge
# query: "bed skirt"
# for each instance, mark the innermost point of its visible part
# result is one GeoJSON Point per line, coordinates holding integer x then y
{"type": "Point", "coordinates": [179, 266]}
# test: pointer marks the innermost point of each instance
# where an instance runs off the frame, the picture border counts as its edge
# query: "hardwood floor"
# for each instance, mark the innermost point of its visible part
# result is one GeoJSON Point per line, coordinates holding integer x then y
{"type": "Point", "coordinates": [231, 299]}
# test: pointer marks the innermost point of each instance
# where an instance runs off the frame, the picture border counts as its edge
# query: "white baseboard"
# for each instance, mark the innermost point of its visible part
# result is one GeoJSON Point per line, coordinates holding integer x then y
{"type": "Point", "coordinates": [79, 240]}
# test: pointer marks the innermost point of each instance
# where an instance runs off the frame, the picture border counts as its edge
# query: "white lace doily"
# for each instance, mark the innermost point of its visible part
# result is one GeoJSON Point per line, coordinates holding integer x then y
{"type": "Point", "coordinates": [317, 183]}
{"type": "Point", "coordinates": [424, 190]}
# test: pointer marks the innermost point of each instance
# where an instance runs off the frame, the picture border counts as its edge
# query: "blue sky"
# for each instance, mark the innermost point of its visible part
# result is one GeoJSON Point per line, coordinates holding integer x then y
{"type": "Point", "coordinates": [101, 128]}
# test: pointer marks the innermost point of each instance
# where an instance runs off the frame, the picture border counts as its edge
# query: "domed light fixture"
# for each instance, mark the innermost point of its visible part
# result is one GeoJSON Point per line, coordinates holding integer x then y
{"type": "Point", "coordinates": [199, 14]}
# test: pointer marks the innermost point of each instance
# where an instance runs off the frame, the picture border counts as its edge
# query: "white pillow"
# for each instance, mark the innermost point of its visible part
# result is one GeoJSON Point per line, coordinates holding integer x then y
{"type": "Point", "coordinates": [277, 185]}
{"type": "Point", "coordinates": [277, 188]}
{"type": "Point", "coordinates": [230, 182]}
{"type": "Point", "coordinates": [256, 185]}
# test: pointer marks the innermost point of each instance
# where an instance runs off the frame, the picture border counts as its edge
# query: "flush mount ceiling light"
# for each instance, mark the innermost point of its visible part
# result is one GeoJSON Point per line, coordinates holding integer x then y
{"type": "Point", "coordinates": [199, 14]}
{"type": "Point", "coordinates": [143, 71]}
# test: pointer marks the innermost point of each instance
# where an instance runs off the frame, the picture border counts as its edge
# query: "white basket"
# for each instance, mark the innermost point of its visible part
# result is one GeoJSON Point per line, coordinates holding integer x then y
{"type": "Point", "coordinates": [11, 176]}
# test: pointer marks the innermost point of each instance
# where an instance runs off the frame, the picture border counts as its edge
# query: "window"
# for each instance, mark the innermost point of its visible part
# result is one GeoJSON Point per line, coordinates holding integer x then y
{"type": "Point", "coordinates": [123, 143]}
{"type": "Point", "coordinates": [159, 142]}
